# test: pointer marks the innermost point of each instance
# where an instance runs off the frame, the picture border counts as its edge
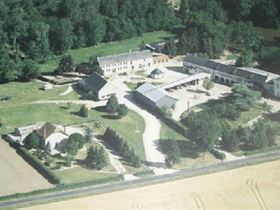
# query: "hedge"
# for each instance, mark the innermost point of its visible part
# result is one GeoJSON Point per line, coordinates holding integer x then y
{"type": "Point", "coordinates": [217, 154]}
{"type": "Point", "coordinates": [38, 165]}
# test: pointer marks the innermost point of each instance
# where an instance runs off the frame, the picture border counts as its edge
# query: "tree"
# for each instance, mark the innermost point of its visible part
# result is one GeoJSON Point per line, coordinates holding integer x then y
{"type": "Point", "coordinates": [171, 48]}
{"type": "Point", "coordinates": [122, 110]}
{"type": "Point", "coordinates": [95, 66]}
{"type": "Point", "coordinates": [74, 143]}
{"type": "Point", "coordinates": [208, 84]}
{"type": "Point", "coordinates": [32, 140]}
{"type": "Point", "coordinates": [29, 70]}
{"type": "Point", "coordinates": [204, 130]}
{"type": "Point", "coordinates": [243, 97]}
{"type": "Point", "coordinates": [112, 104]}
{"type": "Point", "coordinates": [172, 154]}
{"type": "Point", "coordinates": [245, 59]}
{"type": "Point", "coordinates": [96, 158]}
{"type": "Point", "coordinates": [66, 64]}
{"type": "Point", "coordinates": [230, 140]}
{"type": "Point", "coordinates": [84, 111]}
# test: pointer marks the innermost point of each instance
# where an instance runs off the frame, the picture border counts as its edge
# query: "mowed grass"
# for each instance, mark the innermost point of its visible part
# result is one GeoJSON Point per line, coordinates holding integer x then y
{"type": "Point", "coordinates": [168, 133]}
{"type": "Point", "coordinates": [28, 114]}
{"type": "Point", "coordinates": [102, 49]}
{"type": "Point", "coordinates": [30, 92]}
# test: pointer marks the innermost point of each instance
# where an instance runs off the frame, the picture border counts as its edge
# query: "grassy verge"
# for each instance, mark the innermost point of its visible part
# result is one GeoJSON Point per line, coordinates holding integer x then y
{"type": "Point", "coordinates": [168, 133]}
{"type": "Point", "coordinates": [83, 54]}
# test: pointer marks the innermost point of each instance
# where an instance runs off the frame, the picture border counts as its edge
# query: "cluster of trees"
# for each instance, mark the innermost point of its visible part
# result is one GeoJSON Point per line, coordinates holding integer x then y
{"type": "Point", "coordinates": [113, 106]}
{"type": "Point", "coordinates": [206, 127]}
{"type": "Point", "coordinates": [209, 27]}
{"type": "Point", "coordinates": [66, 64]}
{"type": "Point", "coordinates": [32, 141]}
{"type": "Point", "coordinates": [75, 142]}
{"type": "Point", "coordinates": [121, 147]}
{"type": "Point", "coordinates": [96, 158]}
{"type": "Point", "coordinates": [37, 29]}
{"type": "Point", "coordinates": [261, 135]}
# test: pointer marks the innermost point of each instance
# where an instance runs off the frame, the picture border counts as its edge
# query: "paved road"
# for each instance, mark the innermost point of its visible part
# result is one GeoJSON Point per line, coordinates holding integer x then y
{"type": "Point", "coordinates": [139, 182]}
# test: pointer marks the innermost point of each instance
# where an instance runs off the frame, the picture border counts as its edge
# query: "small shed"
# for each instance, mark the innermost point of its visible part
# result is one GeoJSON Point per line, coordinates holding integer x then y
{"type": "Point", "coordinates": [157, 74]}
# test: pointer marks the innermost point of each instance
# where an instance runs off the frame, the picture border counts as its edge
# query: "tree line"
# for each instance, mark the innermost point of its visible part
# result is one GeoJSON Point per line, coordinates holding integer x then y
{"type": "Point", "coordinates": [210, 27]}
{"type": "Point", "coordinates": [37, 29]}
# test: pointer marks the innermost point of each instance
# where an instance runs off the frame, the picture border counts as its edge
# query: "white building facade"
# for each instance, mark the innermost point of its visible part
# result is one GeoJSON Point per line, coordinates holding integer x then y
{"type": "Point", "coordinates": [277, 87]}
{"type": "Point", "coordinates": [132, 61]}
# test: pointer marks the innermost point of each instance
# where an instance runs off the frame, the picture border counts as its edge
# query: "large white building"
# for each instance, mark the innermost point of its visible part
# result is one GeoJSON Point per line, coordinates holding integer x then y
{"type": "Point", "coordinates": [132, 61]}
{"type": "Point", "coordinates": [252, 77]}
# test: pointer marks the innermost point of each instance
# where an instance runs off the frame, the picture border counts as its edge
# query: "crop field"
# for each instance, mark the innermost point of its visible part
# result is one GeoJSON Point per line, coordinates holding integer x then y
{"type": "Point", "coordinates": [16, 175]}
{"type": "Point", "coordinates": [252, 187]}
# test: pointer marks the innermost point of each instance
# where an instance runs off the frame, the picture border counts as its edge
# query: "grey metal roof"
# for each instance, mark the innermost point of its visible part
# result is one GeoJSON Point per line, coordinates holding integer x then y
{"type": "Point", "coordinates": [126, 57]}
{"type": "Point", "coordinates": [152, 93]}
{"type": "Point", "coordinates": [95, 82]}
{"type": "Point", "coordinates": [255, 75]}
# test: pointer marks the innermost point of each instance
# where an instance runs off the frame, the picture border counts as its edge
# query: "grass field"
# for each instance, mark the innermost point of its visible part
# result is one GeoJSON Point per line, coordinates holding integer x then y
{"type": "Point", "coordinates": [31, 91]}
{"type": "Point", "coordinates": [83, 54]}
{"type": "Point", "coordinates": [17, 116]}
{"type": "Point", "coordinates": [16, 175]}
{"type": "Point", "coordinates": [168, 133]}
{"type": "Point", "coordinates": [251, 187]}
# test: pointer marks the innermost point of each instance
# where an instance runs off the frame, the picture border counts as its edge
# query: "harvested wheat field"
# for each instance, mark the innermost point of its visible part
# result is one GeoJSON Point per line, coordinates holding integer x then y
{"type": "Point", "coordinates": [253, 187]}
{"type": "Point", "coordinates": [16, 175]}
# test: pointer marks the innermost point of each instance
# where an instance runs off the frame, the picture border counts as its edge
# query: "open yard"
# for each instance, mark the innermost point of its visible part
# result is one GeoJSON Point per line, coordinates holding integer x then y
{"type": "Point", "coordinates": [16, 175]}
{"type": "Point", "coordinates": [24, 115]}
{"type": "Point", "coordinates": [252, 187]}
{"type": "Point", "coordinates": [102, 49]}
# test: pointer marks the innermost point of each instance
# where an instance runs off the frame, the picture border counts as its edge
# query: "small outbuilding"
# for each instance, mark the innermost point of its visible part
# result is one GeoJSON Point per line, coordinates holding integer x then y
{"type": "Point", "coordinates": [157, 74]}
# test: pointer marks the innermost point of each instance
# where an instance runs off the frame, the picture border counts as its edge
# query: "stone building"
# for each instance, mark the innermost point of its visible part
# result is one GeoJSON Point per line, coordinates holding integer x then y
{"type": "Point", "coordinates": [132, 61]}
{"type": "Point", "coordinates": [229, 75]}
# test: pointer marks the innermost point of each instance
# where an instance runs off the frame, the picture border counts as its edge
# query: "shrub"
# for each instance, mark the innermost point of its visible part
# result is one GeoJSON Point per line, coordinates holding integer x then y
{"type": "Point", "coordinates": [32, 140]}
{"type": "Point", "coordinates": [84, 111]}
{"type": "Point", "coordinates": [122, 110]}
{"type": "Point", "coordinates": [217, 154]}
{"type": "Point", "coordinates": [112, 104]}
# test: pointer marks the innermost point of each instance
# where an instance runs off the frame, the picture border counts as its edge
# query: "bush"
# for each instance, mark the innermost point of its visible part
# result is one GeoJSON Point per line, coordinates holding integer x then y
{"type": "Point", "coordinates": [217, 154]}
{"type": "Point", "coordinates": [84, 111]}
{"type": "Point", "coordinates": [39, 166]}
{"type": "Point", "coordinates": [122, 110]}
{"type": "Point", "coordinates": [32, 140]}
{"type": "Point", "coordinates": [112, 104]}
{"type": "Point", "coordinates": [171, 150]}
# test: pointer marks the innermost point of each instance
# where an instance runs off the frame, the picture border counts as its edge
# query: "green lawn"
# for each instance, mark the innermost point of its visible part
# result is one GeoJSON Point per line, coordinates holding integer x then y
{"type": "Point", "coordinates": [83, 54]}
{"type": "Point", "coordinates": [31, 91]}
{"type": "Point", "coordinates": [245, 117]}
{"type": "Point", "coordinates": [17, 116]}
{"type": "Point", "coordinates": [80, 174]}
{"type": "Point", "coordinates": [168, 133]}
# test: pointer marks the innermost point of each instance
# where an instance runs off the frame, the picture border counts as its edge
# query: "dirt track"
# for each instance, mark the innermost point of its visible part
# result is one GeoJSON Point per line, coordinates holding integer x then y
{"type": "Point", "coordinates": [16, 175]}
{"type": "Point", "coordinates": [253, 187]}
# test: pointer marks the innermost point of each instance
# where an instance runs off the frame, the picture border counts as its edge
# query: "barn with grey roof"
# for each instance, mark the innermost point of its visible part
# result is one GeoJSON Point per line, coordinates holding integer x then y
{"type": "Point", "coordinates": [154, 97]}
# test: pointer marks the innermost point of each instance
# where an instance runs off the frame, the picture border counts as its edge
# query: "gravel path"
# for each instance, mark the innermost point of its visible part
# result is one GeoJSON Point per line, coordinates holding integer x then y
{"type": "Point", "coordinates": [152, 130]}
{"type": "Point", "coordinates": [67, 91]}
